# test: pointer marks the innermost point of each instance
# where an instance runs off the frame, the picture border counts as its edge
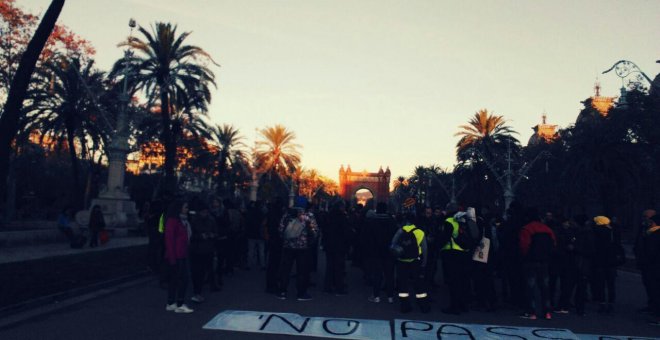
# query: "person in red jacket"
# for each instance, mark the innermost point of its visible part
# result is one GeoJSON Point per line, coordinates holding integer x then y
{"type": "Point", "coordinates": [537, 242]}
{"type": "Point", "coordinates": [177, 240]}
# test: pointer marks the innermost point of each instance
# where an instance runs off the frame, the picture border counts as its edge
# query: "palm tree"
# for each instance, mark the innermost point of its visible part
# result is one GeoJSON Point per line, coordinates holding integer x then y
{"type": "Point", "coordinates": [484, 133]}
{"type": "Point", "coordinates": [173, 74]}
{"type": "Point", "coordinates": [276, 152]}
{"type": "Point", "coordinates": [231, 146]}
{"type": "Point", "coordinates": [64, 110]}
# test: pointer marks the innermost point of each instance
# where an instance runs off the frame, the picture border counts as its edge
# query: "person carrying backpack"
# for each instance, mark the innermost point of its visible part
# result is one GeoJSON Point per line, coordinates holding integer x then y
{"type": "Point", "coordinates": [537, 243]}
{"type": "Point", "coordinates": [456, 254]}
{"type": "Point", "coordinates": [297, 230]}
{"type": "Point", "coordinates": [410, 248]}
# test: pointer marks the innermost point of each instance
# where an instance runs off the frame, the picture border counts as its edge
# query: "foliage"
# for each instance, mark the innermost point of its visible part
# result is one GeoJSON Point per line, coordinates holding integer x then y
{"type": "Point", "coordinates": [63, 109]}
{"type": "Point", "coordinates": [172, 74]}
{"type": "Point", "coordinates": [276, 151]}
{"type": "Point", "coordinates": [232, 163]}
{"type": "Point", "coordinates": [485, 135]}
{"type": "Point", "coordinates": [312, 185]}
{"type": "Point", "coordinates": [17, 27]}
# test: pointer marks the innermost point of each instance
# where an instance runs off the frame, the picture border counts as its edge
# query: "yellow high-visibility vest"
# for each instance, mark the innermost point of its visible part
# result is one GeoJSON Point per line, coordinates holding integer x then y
{"type": "Point", "coordinates": [451, 245]}
{"type": "Point", "coordinates": [419, 236]}
{"type": "Point", "coordinates": [161, 224]}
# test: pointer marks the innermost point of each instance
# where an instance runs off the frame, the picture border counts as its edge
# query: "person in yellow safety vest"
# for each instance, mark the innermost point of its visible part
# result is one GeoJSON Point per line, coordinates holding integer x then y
{"type": "Point", "coordinates": [161, 223]}
{"type": "Point", "coordinates": [455, 262]}
{"type": "Point", "coordinates": [410, 271]}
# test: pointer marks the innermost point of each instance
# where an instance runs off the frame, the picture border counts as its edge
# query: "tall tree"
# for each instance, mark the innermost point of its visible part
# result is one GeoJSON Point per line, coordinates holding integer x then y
{"type": "Point", "coordinates": [482, 153]}
{"type": "Point", "coordinates": [12, 109]}
{"type": "Point", "coordinates": [231, 147]}
{"type": "Point", "coordinates": [172, 73]}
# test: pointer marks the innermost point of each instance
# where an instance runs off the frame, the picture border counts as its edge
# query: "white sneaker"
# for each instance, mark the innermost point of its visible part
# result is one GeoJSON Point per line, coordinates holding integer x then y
{"type": "Point", "coordinates": [170, 308]}
{"type": "Point", "coordinates": [198, 299]}
{"type": "Point", "coordinates": [183, 309]}
{"type": "Point", "coordinates": [374, 299]}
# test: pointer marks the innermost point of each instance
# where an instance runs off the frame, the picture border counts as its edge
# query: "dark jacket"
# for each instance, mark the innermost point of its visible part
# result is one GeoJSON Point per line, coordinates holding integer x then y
{"type": "Point", "coordinates": [337, 232]}
{"type": "Point", "coordinates": [608, 251]}
{"type": "Point", "coordinates": [651, 248]}
{"type": "Point", "coordinates": [255, 223]}
{"type": "Point", "coordinates": [377, 237]}
{"type": "Point", "coordinates": [273, 219]}
{"type": "Point", "coordinates": [564, 253]}
{"type": "Point", "coordinates": [204, 233]}
{"type": "Point", "coordinates": [530, 233]}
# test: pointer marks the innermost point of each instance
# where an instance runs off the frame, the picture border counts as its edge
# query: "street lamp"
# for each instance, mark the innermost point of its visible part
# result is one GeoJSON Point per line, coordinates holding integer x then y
{"type": "Point", "coordinates": [625, 69]}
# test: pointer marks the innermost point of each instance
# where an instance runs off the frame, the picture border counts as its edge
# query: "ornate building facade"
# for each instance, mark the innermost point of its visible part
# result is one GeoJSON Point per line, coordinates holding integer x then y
{"type": "Point", "coordinates": [376, 182]}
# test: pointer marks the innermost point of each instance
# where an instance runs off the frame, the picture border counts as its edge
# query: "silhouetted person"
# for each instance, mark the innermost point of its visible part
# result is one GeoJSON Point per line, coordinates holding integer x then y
{"type": "Point", "coordinates": [337, 235]}
{"type": "Point", "coordinates": [96, 224]}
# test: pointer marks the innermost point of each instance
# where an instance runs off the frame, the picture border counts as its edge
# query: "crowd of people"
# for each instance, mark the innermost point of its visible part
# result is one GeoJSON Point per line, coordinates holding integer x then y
{"type": "Point", "coordinates": [541, 264]}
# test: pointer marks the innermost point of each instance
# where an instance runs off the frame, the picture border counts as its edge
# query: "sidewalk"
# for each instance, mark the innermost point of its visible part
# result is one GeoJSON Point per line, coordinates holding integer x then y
{"type": "Point", "coordinates": [42, 251]}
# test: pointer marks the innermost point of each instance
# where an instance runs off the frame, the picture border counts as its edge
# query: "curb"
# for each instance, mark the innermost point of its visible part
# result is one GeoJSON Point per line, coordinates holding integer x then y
{"type": "Point", "coordinates": [25, 311]}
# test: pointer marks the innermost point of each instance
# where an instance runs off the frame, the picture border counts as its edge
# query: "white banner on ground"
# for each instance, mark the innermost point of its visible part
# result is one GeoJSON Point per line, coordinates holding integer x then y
{"type": "Point", "coordinates": [611, 337]}
{"type": "Point", "coordinates": [424, 330]}
{"type": "Point", "coordinates": [294, 324]}
{"type": "Point", "coordinates": [346, 328]}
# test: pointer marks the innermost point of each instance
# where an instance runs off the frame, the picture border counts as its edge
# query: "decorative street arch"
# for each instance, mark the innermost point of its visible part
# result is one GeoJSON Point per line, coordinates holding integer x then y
{"type": "Point", "coordinates": [376, 182]}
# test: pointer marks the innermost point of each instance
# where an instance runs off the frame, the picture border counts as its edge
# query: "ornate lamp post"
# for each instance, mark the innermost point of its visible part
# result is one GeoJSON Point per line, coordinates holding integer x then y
{"type": "Point", "coordinates": [506, 180]}
{"type": "Point", "coordinates": [114, 200]}
{"type": "Point", "coordinates": [625, 69]}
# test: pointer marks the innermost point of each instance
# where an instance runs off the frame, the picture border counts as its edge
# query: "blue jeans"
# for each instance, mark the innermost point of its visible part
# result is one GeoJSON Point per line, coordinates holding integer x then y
{"type": "Point", "coordinates": [537, 280]}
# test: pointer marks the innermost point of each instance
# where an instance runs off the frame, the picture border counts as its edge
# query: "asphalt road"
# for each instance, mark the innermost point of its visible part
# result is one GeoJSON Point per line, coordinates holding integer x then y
{"type": "Point", "coordinates": [139, 312]}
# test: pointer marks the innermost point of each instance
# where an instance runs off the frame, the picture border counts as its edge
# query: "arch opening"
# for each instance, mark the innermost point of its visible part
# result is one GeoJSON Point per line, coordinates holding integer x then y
{"type": "Point", "coordinates": [363, 196]}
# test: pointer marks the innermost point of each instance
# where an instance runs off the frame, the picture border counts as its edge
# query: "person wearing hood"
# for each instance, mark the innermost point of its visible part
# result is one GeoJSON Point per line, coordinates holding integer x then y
{"type": "Point", "coordinates": [378, 233]}
{"type": "Point", "coordinates": [537, 243]}
{"type": "Point", "coordinates": [607, 256]}
{"type": "Point", "coordinates": [455, 262]}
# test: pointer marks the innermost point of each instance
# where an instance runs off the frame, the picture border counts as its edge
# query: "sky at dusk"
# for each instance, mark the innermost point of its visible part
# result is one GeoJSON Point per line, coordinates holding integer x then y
{"type": "Point", "coordinates": [371, 83]}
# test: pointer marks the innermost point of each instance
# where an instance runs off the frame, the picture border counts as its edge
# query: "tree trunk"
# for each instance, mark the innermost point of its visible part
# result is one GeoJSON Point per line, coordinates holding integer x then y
{"type": "Point", "coordinates": [222, 174]}
{"type": "Point", "coordinates": [169, 144]}
{"type": "Point", "coordinates": [74, 168]}
{"type": "Point", "coordinates": [18, 87]}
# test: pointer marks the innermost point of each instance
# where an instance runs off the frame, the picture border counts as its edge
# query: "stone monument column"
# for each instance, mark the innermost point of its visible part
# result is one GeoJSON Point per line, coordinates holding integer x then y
{"type": "Point", "coordinates": [118, 209]}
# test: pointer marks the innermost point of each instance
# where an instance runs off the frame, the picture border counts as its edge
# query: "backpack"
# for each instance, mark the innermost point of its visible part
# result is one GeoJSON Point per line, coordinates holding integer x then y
{"type": "Point", "coordinates": [464, 239]}
{"type": "Point", "coordinates": [541, 248]}
{"type": "Point", "coordinates": [409, 249]}
{"type": "Point", "coordinates": [293, 229]}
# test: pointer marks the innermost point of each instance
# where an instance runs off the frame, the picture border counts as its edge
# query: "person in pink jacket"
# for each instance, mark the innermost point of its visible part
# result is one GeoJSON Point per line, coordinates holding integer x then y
{"type": "Point", "coordinates": [177, 241]}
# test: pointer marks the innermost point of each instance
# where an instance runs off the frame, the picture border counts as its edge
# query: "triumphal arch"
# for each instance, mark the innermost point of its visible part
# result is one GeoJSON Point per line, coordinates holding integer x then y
{"type": "Point", "coordinates": [376, 182]}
